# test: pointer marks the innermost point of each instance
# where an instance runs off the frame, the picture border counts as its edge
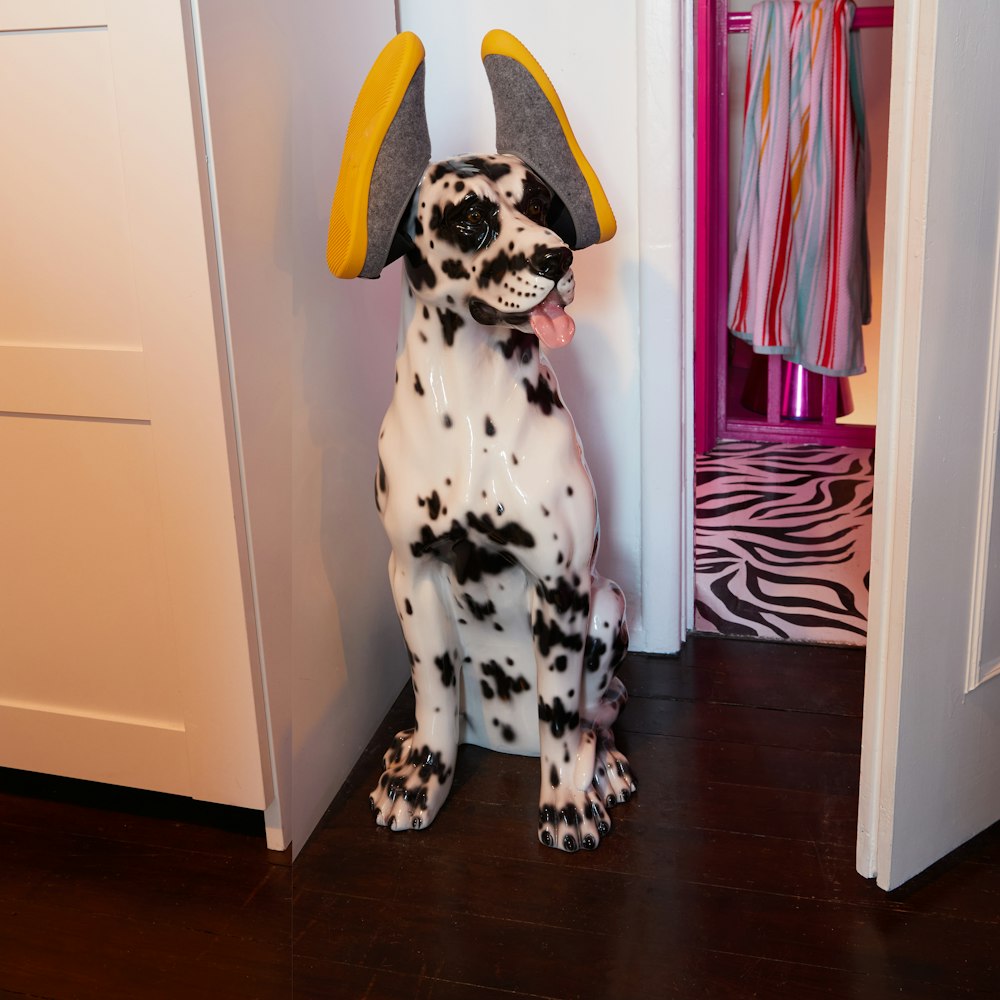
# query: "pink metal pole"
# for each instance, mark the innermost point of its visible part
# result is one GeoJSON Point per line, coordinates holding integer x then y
{"type": "Point", "coordinates": [709, 410]}
{"type": "Point", "coordinates": [864, 17]}
{"type": "Point", "coordinates": [712, 222]}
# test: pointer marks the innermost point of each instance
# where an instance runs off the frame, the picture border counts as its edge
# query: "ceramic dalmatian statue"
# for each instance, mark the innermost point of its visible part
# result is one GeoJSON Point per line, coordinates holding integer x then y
{"type": "Point", "coordinates": [481, 483]}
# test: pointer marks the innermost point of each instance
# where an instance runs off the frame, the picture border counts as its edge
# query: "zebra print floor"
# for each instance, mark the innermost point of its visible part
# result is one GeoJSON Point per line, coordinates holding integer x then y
{"type": "Point", "coordinates": [783, 542]}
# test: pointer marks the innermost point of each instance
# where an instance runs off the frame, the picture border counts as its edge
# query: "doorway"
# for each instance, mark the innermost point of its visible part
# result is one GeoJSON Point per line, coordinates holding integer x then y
{"type": "Point", "coordinates": [784, 457]}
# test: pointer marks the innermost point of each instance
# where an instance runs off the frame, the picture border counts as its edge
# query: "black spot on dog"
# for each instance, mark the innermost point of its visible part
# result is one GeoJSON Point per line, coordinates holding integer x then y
{"type": "Point", "coordinates": [520, 343]}
{"type": "Point", "coordinates": [488, 692]}
{"type": "Point", "coordinates": [381, 476]}
{"type": "Point", "coordinates": [504, 683]}
{"type": "Point", "coordinates": [479, 611]}
{"type": "Point", "coordinates": [554, 776]}
{"type": "Point", "coordinates": [491, 169]}
{"type": "Point", "coordinates": [510, 534]}
{"type": "Point", "coordinates": [594, 649]}
{"type": "Point", "coordinates": [619, 646]}
{"type": "Point", "coordinates": [542, 395]}
{"type": "Point", "coordinates": [432, 544]}
{"type": "Point", "coordinates": [429, 764]}
{"type": "Point", "coordinates": [450, 322]}
{"type": "Point", "coordinates": [446, 420]}
{"type": "Point", "coordinates": [564, 597]}
{"type": "Point", "coordinates": [570, 814]}
{"type": "Point", "coordinates": [495, 270]}
{"type": "Point", "coordinates": [471, 562]}
{"type": "Point", "coordinates": [408, 606]}
{"type": "Point", "coordinates": [490, 428]}
{"type": "Point", "coordinates": [455, 269]}
{"type": "Point", "coordinates": [548, 635]}
{"type": "Point", "coordinates": [418, 271]}
{"type": "Point", "coordinates": [506, 731]}
{"type": "Point", "coordinates": [417, 387]}
{"type": "Point", "coordinates": [559, 719]}
{"type": "Point", "coordinates": [433, 504]}
{"type": "Point", "coordinates": [560, 663]}
{"type": "Point", "coordinates": [447, 669]}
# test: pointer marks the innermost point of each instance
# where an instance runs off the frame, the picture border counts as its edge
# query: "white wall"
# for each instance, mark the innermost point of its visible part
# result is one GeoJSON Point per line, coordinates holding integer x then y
{"type": "Point", "coordinates": [311, 357]}
{"type": "Point", "coordinates": [618, 71]}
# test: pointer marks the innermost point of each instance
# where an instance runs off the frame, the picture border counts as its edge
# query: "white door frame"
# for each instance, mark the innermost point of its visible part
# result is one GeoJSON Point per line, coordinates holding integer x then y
{"type": "Point", "coordinates": [905, 235]}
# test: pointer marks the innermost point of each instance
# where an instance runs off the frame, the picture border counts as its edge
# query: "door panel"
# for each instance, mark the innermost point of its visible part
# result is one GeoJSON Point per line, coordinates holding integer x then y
{"type": "Point", "coordinates": [125, 650]}
{"type": "Point", "coordinates": [87, 629]}
{"type": "Point", "coordinates": [931, 747]}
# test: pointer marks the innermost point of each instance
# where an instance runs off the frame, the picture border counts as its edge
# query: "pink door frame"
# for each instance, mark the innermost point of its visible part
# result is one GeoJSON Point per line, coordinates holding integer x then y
{"type": "Point", "coordinates": [712, 421]}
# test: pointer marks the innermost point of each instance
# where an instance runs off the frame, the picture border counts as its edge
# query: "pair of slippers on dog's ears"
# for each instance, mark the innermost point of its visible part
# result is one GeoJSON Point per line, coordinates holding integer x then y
{"type": "Point", "coordinates": [388, 148]}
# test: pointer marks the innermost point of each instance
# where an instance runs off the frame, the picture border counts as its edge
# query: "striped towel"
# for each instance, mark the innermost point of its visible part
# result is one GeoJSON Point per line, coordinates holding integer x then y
{"type": "Point", "coordinates": [800, 281]}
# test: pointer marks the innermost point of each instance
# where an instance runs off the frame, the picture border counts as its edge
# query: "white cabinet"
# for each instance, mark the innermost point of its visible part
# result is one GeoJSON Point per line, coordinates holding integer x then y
{"type": "Point", "coordinates": [127, 646]}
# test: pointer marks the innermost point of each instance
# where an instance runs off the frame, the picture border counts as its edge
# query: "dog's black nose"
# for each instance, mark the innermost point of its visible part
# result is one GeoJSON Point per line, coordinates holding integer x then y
{"type": "Point", "coordinates": [551, 262]}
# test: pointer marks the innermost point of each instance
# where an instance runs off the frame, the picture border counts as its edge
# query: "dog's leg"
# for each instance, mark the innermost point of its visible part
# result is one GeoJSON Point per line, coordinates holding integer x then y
{"type": "Point", "coordinates": [420, 763]}
{"type": "Point", "coordinates": [569, 817]}
{"type": "Point", "coordinates": [604, 696]}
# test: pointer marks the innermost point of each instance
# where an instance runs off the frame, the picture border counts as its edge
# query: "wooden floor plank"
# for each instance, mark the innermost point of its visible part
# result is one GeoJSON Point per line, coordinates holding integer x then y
{"type": "Point", "coordinates": [822, 679]}
{"type": "Point", "coordinates": [654, 927]}
{"type": "Point", "coordinates": [320, 978]}
{"type": "Point", "coordinates": [153, 819]}
{"type": "Point", "coordinates": [86, 956]}
{"type": "Point", "coordinates": [704, 720]}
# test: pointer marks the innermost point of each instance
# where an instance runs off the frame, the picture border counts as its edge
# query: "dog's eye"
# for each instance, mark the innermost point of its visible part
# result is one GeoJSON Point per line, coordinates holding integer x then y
{"type": "Point", "coordinates": [535, 210]}
{"type": "Point", "coordinates": [472, 224]}
{"type": "Point", "coordinates": [536, 200]}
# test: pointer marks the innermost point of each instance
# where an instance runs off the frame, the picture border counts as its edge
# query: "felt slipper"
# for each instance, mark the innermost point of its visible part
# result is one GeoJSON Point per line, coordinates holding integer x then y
{"type": "Point", "coordinates": [532, 124]}
{"type": "Point", "coordinates": [385, 154]}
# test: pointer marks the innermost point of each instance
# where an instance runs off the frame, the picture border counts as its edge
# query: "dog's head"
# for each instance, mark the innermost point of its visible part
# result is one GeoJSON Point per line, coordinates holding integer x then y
{"type": "Point", "coordinates": [481, 244]}
{"type": "Point", "coordinates": [491, 235]}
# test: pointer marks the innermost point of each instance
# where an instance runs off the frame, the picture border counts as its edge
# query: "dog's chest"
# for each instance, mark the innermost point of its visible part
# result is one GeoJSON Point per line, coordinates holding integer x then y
{"type": "Point", "coordinates": [477, 429]}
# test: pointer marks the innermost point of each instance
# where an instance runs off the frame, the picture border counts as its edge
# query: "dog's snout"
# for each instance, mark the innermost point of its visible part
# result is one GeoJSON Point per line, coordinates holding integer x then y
{"type": "Point", "coordinates": [551, 262]}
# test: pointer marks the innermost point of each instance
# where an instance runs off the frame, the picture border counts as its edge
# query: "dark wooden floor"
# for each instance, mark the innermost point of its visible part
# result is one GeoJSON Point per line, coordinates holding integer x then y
{"type": "Point", "coordinates": [731, 874]}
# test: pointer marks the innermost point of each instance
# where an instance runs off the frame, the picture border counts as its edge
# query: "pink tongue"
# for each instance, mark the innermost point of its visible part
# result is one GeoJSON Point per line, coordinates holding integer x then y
{"type": "Point", "coordinates": [551, 324]}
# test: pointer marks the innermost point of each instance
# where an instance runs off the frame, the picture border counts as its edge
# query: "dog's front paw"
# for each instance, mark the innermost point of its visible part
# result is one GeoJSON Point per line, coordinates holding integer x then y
{"type": "Point", "coordinates": [613, 778]}
{"type": "Point", "coordinates": [413, 787]}
{"type": "Point", "coordinates": [570, 819]}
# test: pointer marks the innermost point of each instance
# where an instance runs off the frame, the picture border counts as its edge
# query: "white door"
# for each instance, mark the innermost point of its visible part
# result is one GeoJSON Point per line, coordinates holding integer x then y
{"type": "Point", "coordinates": [124, 649]}
{"type": "Point", "coordinates": [931, 747]}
